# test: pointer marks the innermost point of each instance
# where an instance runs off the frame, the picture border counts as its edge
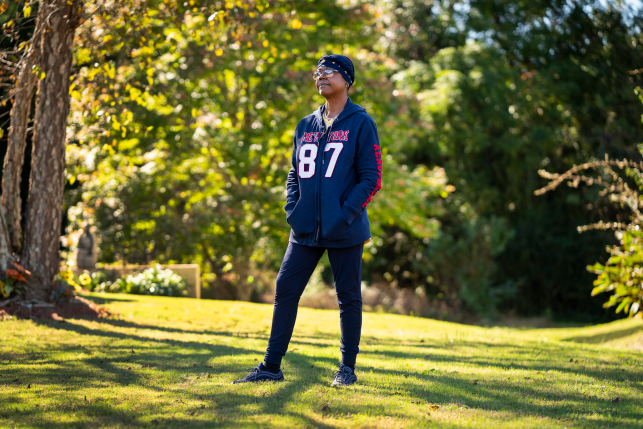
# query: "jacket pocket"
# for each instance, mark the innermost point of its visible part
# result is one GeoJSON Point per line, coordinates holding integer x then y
{"type": "Point", "coordinates": [302, 218]}
{"type": "Point", "coordinates": [333, 224]}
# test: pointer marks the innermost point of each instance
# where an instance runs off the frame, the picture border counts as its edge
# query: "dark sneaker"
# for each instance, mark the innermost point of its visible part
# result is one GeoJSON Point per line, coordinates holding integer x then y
{"type": "Point", "coordinates": [344, 377]}
{"type": "Point", "coordinates": [260, 374]}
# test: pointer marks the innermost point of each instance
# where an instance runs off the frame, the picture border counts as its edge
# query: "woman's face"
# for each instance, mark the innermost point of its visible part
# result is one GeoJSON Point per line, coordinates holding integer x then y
{"type": "Point", "coordinates": [330, 86]}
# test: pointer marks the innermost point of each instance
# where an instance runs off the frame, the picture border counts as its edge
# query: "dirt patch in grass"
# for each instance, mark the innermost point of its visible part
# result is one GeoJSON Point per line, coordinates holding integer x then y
{"type": "Point", "coordinates": [73, 308]}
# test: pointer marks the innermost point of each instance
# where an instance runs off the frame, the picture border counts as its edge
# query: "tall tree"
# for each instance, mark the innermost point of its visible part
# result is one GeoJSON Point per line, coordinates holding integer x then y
{"type": "Point", "coordinates": [25, 87]}
{"type": "Point", "coordinates": [44, 206]}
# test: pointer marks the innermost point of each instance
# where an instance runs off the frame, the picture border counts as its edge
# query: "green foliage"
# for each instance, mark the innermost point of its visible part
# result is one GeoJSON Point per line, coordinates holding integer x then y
{"type": "Point", "coordinates": [183, 114]}
{"type": "Point", "coordinates": [506, 88]}
{"type": "Point", "coordinates": [183, 144]}
{"type": "Point", "coordinates": [622, 274]}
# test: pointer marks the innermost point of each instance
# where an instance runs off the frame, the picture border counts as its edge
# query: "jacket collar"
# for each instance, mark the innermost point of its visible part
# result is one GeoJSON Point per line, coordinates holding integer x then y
{"type": "Point", "coordinates": [349, 109]}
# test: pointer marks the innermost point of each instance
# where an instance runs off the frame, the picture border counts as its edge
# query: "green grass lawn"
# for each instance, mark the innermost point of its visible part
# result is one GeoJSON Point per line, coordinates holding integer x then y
{"type": "Point", "coordinates": [169, 362]}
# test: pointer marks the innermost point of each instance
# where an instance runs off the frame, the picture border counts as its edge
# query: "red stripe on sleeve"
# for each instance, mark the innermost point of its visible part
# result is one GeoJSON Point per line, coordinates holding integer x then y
{"type": "Point", "coordinates": [378, 185]}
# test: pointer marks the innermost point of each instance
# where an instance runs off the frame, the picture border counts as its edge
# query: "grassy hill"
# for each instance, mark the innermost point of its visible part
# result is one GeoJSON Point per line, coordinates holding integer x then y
{"type": "Point", "coordinates": [169, 362]}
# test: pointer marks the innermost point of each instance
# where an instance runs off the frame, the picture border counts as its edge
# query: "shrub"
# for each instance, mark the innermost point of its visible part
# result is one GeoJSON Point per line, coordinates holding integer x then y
{"type": "Point", "coordinates": [622, 274]}
{"type": "Point", "coordinates": [152, 281]}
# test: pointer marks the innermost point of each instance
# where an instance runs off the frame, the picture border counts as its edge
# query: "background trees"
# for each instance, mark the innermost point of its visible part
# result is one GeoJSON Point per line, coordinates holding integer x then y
{"type": "Point", "coordinates": [183, 145]}
{"type": "Point", "coordinates": [507, 88]}
{"type": "Point", "coordinates": [182, 116]}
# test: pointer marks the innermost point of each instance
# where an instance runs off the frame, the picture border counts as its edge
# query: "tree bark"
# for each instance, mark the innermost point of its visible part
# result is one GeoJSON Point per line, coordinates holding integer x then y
{"type": "Point", "coordinates": [44, 205]}
{"type": "Point", "coordinates": [17, 141]}
{"type": "Point", "coordinates": [6, 255]}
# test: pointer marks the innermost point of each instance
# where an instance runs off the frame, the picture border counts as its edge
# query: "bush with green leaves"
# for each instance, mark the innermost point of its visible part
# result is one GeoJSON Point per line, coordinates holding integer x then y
{"type": "Point", "coordinates": [152, 281]}
{"type": "Point", "coordinates": [622, 274]}
{"type": "Point", "coordinates": [621, 183]}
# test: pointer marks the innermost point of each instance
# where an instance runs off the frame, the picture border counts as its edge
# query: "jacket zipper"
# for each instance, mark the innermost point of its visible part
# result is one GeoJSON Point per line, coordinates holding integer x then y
{"type": "Point", "coordinates": [321, 150]}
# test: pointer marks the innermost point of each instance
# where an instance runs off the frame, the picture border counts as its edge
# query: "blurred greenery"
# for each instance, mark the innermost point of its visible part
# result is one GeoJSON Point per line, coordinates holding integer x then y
{"type": "Point", "coordinates": [183, 115]}
{"type": "Point", "coordinates": [507, 88]}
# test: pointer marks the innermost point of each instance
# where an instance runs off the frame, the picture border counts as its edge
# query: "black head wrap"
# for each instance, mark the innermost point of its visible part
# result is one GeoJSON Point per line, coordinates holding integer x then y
{"type": "Point", "coordinates": [340, 63]}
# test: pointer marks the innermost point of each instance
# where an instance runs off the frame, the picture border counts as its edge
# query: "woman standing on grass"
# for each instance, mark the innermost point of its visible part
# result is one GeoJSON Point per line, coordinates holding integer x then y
{"type": "Point", "coordinates": [336, 170]}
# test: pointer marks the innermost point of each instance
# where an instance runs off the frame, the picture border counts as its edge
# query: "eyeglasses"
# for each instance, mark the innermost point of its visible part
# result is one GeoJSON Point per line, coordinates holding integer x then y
{"type": "Point", "coordinates": [326, 73]}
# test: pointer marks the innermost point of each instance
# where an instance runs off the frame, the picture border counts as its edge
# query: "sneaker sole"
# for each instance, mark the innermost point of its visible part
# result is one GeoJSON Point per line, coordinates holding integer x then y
{"type": "Point", "coordinates": [258, 381]}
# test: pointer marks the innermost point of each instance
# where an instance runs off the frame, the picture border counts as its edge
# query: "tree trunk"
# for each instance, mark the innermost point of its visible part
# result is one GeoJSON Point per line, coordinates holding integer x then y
{"type": "Point", "coordinates": [44, 205]}
{"type": "Point", "coordinates": [6, 255]}
{"type": "Point", "coordinates": [12, 172]}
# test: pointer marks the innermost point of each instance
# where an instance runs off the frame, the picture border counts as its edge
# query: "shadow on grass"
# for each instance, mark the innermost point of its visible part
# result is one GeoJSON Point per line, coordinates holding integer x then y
{"type": "Point", "coordinates": [119, 323]}
{"type": "Point", "coordinates": [100, 300]}
{"type": "Point", "coordinates": [606, 336]}
{"type": "Point", "coordinates": [176, 364]}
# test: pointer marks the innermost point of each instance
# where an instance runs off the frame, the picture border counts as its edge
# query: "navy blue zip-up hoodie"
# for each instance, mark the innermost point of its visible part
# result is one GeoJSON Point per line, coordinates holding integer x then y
{"type": "Point", "coordinates": [335, 173]}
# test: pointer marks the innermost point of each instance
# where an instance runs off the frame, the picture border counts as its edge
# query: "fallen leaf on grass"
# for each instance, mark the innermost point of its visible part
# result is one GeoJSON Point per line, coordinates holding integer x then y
{"type": "Point", "coordinates": [209, 376]}
{"type": "Point", "coordinates": [435, 407]}
{"type": "Point", "coordinates": [616, 401]}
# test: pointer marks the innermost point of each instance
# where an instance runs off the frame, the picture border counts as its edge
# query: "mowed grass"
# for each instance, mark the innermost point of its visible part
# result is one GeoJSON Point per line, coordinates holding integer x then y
{"type": "Point", "coordinates": [168, 362]}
